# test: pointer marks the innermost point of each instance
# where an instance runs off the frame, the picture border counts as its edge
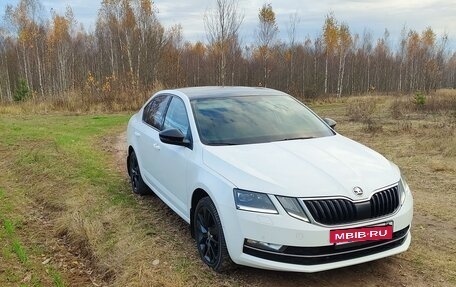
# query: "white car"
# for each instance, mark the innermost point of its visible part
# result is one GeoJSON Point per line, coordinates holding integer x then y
{"type": "Point", "coordinates": [264, 182]}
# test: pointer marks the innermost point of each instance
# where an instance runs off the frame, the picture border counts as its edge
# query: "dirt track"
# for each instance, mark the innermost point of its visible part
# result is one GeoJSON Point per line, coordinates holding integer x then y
{"type": "Point", "coordinates": [398, 270]}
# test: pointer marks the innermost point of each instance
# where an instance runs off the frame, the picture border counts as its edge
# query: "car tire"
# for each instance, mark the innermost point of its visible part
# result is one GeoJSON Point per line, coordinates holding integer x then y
{"type": "Point", "coordinates": [209, 236]}
{"type": "Point", "coordinates": [137, 183]}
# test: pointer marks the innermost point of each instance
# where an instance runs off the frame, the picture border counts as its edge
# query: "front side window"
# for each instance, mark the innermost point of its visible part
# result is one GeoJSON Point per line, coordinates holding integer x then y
{"type": "Point", "coordinates": [255, 119]}
{"type": "Point", "coordinates": [176, 117]}
{"type": "Point", "coordinates": [155, 111]}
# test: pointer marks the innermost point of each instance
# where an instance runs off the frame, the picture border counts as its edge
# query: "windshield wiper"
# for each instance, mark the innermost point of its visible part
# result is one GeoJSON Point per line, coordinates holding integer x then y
{"type": "Point", "coordinates": [222, 143]}
{"type": "Point", "coordinates": [296, 138]}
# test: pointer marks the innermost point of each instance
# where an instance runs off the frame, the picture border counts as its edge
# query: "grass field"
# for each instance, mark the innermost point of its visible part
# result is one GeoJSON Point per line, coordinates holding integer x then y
{"type": "Point", "coordinates": [68, 218]}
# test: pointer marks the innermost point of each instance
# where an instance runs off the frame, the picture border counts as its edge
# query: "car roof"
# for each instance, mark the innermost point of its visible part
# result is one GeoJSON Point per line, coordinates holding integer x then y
{"type": "Point", "coordinates": [219, 91]}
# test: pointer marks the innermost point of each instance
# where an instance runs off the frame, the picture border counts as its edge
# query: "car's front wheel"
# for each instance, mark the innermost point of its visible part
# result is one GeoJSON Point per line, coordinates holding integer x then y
{"type": "Point", "coordinates": [137, 183]}
{"type": "Point", "coordinates": [210, 240]}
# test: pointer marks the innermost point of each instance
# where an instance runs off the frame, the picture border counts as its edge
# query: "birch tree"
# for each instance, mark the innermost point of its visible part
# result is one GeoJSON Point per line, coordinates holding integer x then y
{"type": "Point", "coordinates": [266, 35]}
{"type": "Point", "coordinates": [222, 28]}
{"type": "Point", "coordinates": [330, 37]}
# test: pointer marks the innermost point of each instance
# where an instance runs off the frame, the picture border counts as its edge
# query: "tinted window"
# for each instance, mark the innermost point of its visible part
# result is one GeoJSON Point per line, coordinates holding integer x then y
{"type": "Point", "coordinates": [155, 111]}
{"type": "Point", "coordinates": [176, 117]}
{"type": "Point", "coordinates": [255, 119]}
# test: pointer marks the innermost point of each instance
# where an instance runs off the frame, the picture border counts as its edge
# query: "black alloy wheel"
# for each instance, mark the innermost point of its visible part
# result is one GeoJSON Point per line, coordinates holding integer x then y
{"type": "Point", "coordinates": [137, 184]}
{"type": "Point", "coordinates": [210, 240]}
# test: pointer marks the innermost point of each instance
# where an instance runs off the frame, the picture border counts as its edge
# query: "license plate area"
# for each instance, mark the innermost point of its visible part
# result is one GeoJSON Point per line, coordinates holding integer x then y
{"type": "Point", "coordinates": [369, 233]}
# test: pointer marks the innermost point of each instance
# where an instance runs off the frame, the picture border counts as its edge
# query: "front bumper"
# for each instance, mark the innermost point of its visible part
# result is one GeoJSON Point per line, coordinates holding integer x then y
{"type": "Point", "coordinates": [307, 245]}
{"type": "Point", "coordinates": [253, 261]}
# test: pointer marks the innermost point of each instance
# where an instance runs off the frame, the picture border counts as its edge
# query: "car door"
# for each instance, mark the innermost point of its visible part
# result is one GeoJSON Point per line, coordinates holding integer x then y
{"type": "Point", "coordinates": [174, 159]}
{"type": "Point", "coordinates": [148, 139]}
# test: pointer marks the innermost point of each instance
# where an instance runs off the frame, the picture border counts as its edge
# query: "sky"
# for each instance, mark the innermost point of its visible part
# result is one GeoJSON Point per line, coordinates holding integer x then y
{"type": "Point", "coordinates": [373, 16]}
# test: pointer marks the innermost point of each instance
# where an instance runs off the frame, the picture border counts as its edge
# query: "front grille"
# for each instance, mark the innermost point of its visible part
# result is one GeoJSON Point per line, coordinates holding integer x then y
{"type": "Point", "coordinates": [341, 211]}
{"type": "Point", "coordinates": [384, 202]}
{"type": "Point", "coordinates": [331, 253]}
{"type": "Point", "coordinates": [332, 211]}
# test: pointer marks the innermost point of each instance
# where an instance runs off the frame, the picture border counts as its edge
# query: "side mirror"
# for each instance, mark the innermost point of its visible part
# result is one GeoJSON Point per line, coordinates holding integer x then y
{"type": "Point", "coordinates": [332, 123]}
{"type": "Point", "coordinates": [174, 137]}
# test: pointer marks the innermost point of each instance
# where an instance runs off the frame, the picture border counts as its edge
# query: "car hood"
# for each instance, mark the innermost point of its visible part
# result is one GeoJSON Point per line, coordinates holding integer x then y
{"type": "Point", "coordinates": [317, 167]}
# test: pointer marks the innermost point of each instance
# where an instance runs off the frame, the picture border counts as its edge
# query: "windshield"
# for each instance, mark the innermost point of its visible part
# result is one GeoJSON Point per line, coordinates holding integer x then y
{"type": "Point", "coordinates": [255, 119]}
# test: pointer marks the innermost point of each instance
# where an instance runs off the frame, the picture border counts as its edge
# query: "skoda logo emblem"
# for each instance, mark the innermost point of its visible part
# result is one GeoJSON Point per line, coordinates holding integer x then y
{"type": "Point", "coordinates": [358, 191]}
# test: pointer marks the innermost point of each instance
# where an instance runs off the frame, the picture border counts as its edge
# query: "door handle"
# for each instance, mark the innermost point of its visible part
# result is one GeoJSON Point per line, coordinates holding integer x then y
{"type": "Point", "coordinates": [137, 134]}
{"type": "Point", "coordinates": [156, 146]}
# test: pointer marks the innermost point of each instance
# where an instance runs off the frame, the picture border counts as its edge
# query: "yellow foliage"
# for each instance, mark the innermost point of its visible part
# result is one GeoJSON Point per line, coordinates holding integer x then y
{"type": "Point", "coordinates": [413, 42]}
{"type": "Point", "coordinates": [91, 82]}
{"type": "Point", "coordinates": [330, 32]}
{"type": "Point", "coordinates": [345, 39]}
{"type": "Point", "coordinates": [146, 7]}
{"type": "Point", "coordinates": [428, 37]}
{"type": "Point", "coordinates": [266, 14]}
{"type": "Point", "coordinates": [129, 19]}
{"type": "Point", "coordinates": [199, 48]}
{"type": "Point", "coordinates": [60, 30]}
{"type": "Point", "coordinates": [106, 87]}
{"type": "Point", "coordinates": [288, 55]}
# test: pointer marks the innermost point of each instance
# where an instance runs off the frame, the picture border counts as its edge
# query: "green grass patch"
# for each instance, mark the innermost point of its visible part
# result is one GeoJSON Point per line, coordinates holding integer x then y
{"type": "Point", "coordinates": [16, 245]}
{"type": "Point", "coordinates": [8, 225]}
{"type": "Point", "coordinates": [20, 251]}
{"type": "Point", "coordinates": [57, 278]}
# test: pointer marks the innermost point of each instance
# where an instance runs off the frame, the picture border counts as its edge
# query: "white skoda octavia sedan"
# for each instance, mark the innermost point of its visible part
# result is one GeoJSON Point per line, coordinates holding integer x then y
{"type": "Point", "coordinates": [264, 182]}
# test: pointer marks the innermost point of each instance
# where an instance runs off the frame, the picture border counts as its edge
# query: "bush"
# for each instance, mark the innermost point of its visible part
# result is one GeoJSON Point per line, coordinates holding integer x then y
{"type": "Point", "coordinates": [372, 126]}
{"type": "Point", "coordinates": [420, 99]}
{"type": "Point", "coordinates": [361, 110]}
{"type": "Point", "coordinates": [22, 91]}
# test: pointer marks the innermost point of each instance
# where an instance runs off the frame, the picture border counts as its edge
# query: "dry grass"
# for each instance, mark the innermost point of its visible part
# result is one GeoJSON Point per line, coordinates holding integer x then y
{"type": "Point", "coordinates": [442, 101]}
{"type": "Point", "coordinates": [82, 102]}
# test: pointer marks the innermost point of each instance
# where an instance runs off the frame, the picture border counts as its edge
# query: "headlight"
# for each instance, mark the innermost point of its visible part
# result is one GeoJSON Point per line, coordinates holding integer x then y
{"type": "Point", "coordinates": [404, 189]}
{"type": "Point", "coordinates": [253, 201]}
{"type": "Point", "coordinates": [292, 207]}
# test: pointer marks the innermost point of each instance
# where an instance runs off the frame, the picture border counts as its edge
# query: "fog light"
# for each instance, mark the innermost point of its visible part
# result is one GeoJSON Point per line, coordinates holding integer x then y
{"type": "Point", "coordinates": [263, 245]}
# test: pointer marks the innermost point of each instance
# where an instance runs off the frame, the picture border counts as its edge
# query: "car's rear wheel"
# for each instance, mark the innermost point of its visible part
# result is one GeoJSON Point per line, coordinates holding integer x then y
{"type": "Point", "coordinates": [210, 240]}
{"type": "Point", "coordinates": [137, 184]}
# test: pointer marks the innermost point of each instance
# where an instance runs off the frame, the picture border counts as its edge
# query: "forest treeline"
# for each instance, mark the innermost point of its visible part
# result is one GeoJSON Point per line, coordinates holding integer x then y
{"type": "Point", "coordinates": [130, 51]}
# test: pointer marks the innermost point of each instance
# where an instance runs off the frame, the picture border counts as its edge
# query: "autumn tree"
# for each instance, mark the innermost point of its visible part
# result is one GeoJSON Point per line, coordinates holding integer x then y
{"type": "Point", "coordinates": [330, 38]}
{"type": "Point", "coordinates": [196, 57]}
{"type": "Point", "coordinates": [266, 35]}
{"type": "Point", "coordinates": [59, 43]}
{"type": "Point", "coordinates": [344, 44]}
{"type": "Point", "coordinates": [401, 56]}
{"type": "Point", "coordinates": [429, 69]}
{"type": "Point", "coordinates": [291, 54]}
{"type": "Point", "coordinates": [222, 28]}
{"type": "Point", "coordinates": [413, 46]}
{"type": "Point", "coordinates": [366, 53]}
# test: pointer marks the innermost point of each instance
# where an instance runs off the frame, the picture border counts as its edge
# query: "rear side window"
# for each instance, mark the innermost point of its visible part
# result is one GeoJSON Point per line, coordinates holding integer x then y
{"type": "Point", "coordinates": [154, 111]}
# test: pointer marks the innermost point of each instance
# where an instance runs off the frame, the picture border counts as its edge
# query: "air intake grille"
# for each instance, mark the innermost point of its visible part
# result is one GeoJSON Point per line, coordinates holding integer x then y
{"type": "Point", "coordinates": [340, 211]}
